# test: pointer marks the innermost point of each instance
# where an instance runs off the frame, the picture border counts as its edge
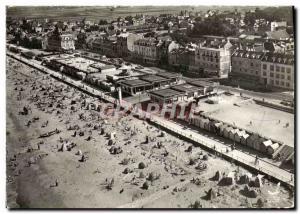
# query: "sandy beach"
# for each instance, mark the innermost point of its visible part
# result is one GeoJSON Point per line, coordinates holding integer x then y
{"type": "Point", "coordinates": [95, 161]}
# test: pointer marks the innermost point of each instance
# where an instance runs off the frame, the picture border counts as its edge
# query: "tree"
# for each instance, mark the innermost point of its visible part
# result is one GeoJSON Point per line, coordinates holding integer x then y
{"type": "Point", "coordinates": [103, 22]}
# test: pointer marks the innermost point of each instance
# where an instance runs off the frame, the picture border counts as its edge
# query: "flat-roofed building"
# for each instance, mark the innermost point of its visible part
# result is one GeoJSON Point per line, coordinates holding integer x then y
{"type": "Point", "coordinates": [135, 86]}
{"type": "Point", "coordinates": [156, 81]}
{"type": "Point", "coordinates": [188, 90]}
{"type": "Point", "coordinates": [166, 96]}
{"type": "Point", "coordinates": [205, 86]}
{"type": "Point", "coordinates": [174, 78]}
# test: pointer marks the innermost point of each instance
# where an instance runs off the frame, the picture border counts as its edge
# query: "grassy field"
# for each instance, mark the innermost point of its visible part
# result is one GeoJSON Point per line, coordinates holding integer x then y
{"type": "Point", "coordinates": [99, 12]}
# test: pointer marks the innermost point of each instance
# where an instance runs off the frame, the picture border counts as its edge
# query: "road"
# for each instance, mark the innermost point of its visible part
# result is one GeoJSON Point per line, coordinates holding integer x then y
{"type": "Point", "coordinates": [254, 94]}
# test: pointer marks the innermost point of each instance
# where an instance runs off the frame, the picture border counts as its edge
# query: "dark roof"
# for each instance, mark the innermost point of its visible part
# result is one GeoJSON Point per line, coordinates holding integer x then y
{"type": "Point", "coordinates": [186, 88]}
{"type": "Point", "coordinates": [135, 83]}
{"type": "Point", "coordinates": [166, 93]}
{"type": "Point", "coordinates": [278, 58]}
{"type": "Point", "coordinates": [153, 78]}
{"type": "Point", "coordinates": [169, 74]}
{"type": "Point", "coordinates": [248, 54]}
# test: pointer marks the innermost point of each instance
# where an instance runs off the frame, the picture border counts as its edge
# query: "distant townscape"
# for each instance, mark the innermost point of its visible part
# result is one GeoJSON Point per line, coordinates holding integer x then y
{"type": "Point", "coordinates": [150, 107]}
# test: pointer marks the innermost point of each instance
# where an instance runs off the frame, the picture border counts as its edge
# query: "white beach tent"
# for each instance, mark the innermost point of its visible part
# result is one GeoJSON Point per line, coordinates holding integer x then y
{"type": "Point", "coordinates": [272, 148]}
{"type": "Point", "coordinates": [264, 145]}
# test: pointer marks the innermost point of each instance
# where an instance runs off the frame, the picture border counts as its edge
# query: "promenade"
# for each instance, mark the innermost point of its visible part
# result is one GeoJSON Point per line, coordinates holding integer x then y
{"type": "Point", "coordinates": [263, 167]}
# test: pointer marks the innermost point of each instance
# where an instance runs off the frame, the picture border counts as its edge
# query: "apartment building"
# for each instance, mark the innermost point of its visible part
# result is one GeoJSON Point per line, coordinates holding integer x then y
{"type": "Point", "coordinates": [246, 67]}
{"type": "Point", "coordinates": [213, 58]}
{"type": "Point", "coordinates": [277, 70]}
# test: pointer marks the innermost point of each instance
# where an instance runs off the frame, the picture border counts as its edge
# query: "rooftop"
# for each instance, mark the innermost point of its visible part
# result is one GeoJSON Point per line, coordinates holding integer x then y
{"type": "Point", "coordinates": [185, 88]}
{"type": "Point", "coordinates": [166, 93]}
{"type": "Point", "coordinates": [279, 58]}
{"type": "Point", "coordinates": [153, 78]}
{"type": "Point", "coordinates": [82, 64]}
{"type": "Point", "coordinates": [169, 74]}
{"type": "Point", "coordinates": [248, 54]}
{"type": "Point", "coordinates": [203, 83]}
{"type": "Point", "coordinates": [134, 83]}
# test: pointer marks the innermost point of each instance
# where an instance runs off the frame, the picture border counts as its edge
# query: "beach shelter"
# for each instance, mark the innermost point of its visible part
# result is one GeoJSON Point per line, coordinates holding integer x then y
{"type": "Point", "coordinates": [202, 121]}
{"type": "Point", "coordinates": [217, 126]}
{"type": "Point", "coordinates": [272, 148]}
{"type": "Point", "coordinates": [211, 194]}
{"type": "Point", "coordinates": [244, 138]}
{"type": "Point", "coordinates": [249, 192]}
{"type": "Point", "coordinates": [227, 131]}
{"type": "Point", "coordinates": [222, 129]}
{"type": "Point", "coordinates": [252, 139]}
{"type": "Point", "coordinates": [227, 180]}
{"type": "Point", "coordinates": [258, 143]}
{"type": "Point", "coordinates": [232, 133]}
{"type": "Point", "coordinates": [245, 179]}
{"type": "Point", "coordinates": [264, 145]}
{"type": "Point", "coordinates": [238, 135]}
{"type": "Point", "coordinates": [211, 126]}
{"type": "Point", "coordinates": [206, 124]}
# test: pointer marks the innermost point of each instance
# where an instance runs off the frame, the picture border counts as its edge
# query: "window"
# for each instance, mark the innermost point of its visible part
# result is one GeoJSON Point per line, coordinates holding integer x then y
{"type": "Point", "coordinates": [287, 84]}
{"type": "Point", "coordinates": [282, 69]}
{"type": "Point", "coordinates": [271, 74]}
{"type": "Point", "coordinates": [264, 73]}
{"type": "Point", "coordinates": [277, 76]}
{"type": "Point", "coordinates": [277, 82]}
{"type": "Point", "coordinates": [272, 82]}
{"type": "Point", "coordinates": [256, 72]}
{"type": "Point", "coordinates": [264, 66]}
{"type": "Point", "coordinates": [288, 77]}
{"type": "Point", "coordinates": [251, 64]}
{"type": "Point", "coordinates": [282, 83]}
{"type": "Point", "coordinates": [272, 67]}
{"type": "Point", "coordinates": [277, 68]}
{"type": "Point", "coordinates": [288, 70]}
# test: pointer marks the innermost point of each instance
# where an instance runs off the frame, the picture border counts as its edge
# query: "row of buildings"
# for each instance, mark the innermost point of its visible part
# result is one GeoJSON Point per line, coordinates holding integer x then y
{"type": "Point", "coordinates": [270, 69]}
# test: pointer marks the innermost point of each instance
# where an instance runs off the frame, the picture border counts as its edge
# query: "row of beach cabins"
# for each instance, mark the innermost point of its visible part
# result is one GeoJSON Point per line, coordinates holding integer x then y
{"type": "Point", "coordinates": [252, 140]}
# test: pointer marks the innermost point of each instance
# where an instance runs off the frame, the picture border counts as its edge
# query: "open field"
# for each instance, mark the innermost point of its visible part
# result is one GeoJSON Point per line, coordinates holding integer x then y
{"type": "Point", "coordinates": [41, 175]}
{"type": "Point", "coordinates": [265, 121]}
{"type": "Point", "coordinates": [64, 13]}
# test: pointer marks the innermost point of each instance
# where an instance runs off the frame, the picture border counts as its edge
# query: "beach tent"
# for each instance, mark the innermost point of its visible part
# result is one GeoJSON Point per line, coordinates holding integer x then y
{"type": "Point", "coordinates": [258, 143]}
{"type": "Point", "coordinates": [245, 179]}
{"type": "Point", "coordinates": [222, 129]}
{"type": "Point", "coordinates": [211, 126]}
{"type": "Point", "coordinates": [244, 138]}
{"type": "Point", "coordinates": [249, 192]}
{"type": "Point", "coordinates": [216, 177]}
{"type": "Point", "coordinates": [264, 145]}
{"type": "Point", "coordinates": [211, 194]}
{"type": "Point", "coordinates": [206, 124]}
{"type": "Point", "coordinates": [217, 126]}
{"type": "Point", "coordinates": [272, 148]}
{"type": "Point", "coordinates": [227, 131]}
{"type": "Point", "coordinates": [227, 180]}
{"type": "Point", "coordinates": [202, 121]}
{"type": "Point", "coordinates": [251, 140]}
{"type": "Point", "coordinates": [232, 133]}
{"type": "Point", "coordinates": [238, 135]}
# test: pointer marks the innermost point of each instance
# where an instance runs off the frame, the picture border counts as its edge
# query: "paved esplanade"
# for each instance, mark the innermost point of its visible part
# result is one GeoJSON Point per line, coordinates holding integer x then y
{"type": "Point", "coordinates": [239, 156]}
